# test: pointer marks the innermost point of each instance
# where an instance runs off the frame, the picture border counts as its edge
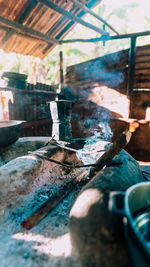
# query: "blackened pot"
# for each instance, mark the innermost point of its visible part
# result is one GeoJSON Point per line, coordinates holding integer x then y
{"type": "Point", "coordinates": [15, 80]}
{"type": "Point", "coordinates": [9, 132]}
{"type": "Point", "coordinates": [134, 206]}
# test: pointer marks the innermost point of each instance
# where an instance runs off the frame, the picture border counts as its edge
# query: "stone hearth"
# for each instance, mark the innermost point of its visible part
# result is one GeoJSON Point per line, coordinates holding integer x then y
{"type": "Point", "coordinates": [26, 182]}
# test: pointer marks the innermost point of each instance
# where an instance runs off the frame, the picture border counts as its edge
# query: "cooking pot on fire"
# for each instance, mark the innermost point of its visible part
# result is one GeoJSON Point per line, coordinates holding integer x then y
{"type": "Point", "coordinates": [134, 206]}
{"type": "Point", "coordinates": [9, 132]}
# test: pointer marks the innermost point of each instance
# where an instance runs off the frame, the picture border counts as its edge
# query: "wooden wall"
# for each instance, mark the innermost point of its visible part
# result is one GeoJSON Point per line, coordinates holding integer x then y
{"type": "Point", "coordinates": [30, 105]}
{"type": "Point", "coordinates": [105, 78]}
{"type": "Point", "coordinates": [112, 70]}
{"type": "Point", "coordinates": [99, 87]}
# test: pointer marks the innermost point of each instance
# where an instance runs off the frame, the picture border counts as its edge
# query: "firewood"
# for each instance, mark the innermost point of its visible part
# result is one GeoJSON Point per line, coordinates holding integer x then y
{"type": "Point", "coordinates": [111, 152]}
{"type": "Point", "coordinates": [51, 203]}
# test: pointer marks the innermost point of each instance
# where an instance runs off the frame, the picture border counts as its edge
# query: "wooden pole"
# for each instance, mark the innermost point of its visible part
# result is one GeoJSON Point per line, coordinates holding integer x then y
{"type": "Point", "coordinates": [10, 32]}
{"type": "Point", "coordinates": [30, 32]}
{"type": "Point", "coordinates": [111, 152]}
{"type": "Point", "coordinates": [30, 6]}
{"type": "Point", "coordinates": [71, 16]}
{"type": "Point", "coordinates": [51, 203]}
{"type": "Point", "coordinates": [106, 38]}
{"type": "Point", "coordinates": [61, 78]}
{"type": "Point", "coordinates": [131, 68]}
{"type": "Point", "coordinates": [86, 9]}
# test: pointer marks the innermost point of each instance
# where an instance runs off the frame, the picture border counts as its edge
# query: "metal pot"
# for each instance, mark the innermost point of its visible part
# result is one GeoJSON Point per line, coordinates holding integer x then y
{"type": "Point", "coordinates": [9, 132]}
{"type": "Point", "coordinates": [134, 204]}
{"type": "Point", "coordinates": [15, 80]}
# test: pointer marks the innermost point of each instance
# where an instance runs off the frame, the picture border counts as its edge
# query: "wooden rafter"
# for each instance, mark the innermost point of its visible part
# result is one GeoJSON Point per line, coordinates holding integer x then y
{"type": "Point", "coordinates": [24, 15]}
{"type": "Point", "coordinates": [71, 16]}
{"type": "Point", "coordinates": [106, 38]}
{"type": "Point", "coordinates": [10, 32]}
{"type": "Point", "coordinates": [18, 28]}
{"type": "Point", "coordinates": [87, 10]}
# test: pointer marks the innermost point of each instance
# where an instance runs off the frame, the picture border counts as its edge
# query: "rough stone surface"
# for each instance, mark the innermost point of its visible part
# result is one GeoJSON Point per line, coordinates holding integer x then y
{"type": "Point", "coordinates": [18, 175]}
{"type": "Point", "coordinates": [25, 184]}
{"type": "Point", "coordinates": [96, 234]}
{"type": "Point", "coordinates": [21, 148]}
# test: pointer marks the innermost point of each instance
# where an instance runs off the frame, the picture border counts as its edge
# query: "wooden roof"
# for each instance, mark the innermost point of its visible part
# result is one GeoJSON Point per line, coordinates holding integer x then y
{"type": "Point", "coordinates": [34, 27]}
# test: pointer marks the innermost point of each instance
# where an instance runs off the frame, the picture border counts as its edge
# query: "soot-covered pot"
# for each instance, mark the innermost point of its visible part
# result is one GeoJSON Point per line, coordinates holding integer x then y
{"type": "Point", "coordinates": [134, 206]}
{"type": "Point", "coordinates": [9, 132]}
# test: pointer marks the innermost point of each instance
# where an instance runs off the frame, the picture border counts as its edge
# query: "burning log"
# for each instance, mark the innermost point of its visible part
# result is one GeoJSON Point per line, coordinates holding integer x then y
{"type": "Point", "coordinates": [112, 151]}
{"type": "Point", "coordinates": [51, 203]}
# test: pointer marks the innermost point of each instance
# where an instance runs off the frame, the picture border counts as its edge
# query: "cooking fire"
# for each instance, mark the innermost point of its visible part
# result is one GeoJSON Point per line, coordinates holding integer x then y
{"type": "Point", "coordinates": [74, 137]}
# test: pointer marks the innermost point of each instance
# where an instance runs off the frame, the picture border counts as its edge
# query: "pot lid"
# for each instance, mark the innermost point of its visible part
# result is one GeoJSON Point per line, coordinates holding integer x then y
{"type": "Point", "coordinates": [14, 75]}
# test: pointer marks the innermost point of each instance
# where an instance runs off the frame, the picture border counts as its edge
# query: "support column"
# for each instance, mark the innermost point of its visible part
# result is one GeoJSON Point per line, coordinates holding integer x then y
{"type": "Point", "coordinates": [131, 69]}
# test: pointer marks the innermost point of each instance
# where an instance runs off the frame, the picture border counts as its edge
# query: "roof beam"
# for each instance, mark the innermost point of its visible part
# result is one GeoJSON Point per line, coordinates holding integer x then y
{"type": "Point", "coordinates": [24, 15]}
{"type": "Point", "coordinates": [106, 38]}
{"type": "Point", "coordinates": [10, 31]}
{"type": "Point", "coordinates": [71, 16]}
{"type": "Point", "coordinates": [86, 9]}
{"type": "Point", "coordinates": [28, 31]}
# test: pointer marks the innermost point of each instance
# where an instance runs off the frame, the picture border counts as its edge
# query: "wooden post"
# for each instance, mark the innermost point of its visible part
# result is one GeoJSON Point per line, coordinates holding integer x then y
{"type": "Point", "coordinates": [131, 68]}
{"type": "Point", "coordinates": [61, 78]}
